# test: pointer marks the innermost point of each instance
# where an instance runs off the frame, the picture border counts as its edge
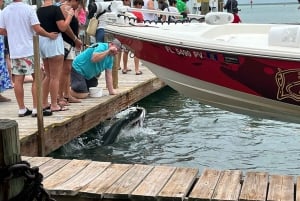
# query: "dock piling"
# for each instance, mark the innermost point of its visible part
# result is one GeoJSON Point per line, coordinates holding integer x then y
{"type": "Point", "coordinates": [9, 155]}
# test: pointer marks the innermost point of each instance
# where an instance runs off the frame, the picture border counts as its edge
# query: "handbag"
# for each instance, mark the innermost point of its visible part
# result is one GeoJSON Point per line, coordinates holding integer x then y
{"type": "Point", "coordinates": [92, 27]}
{"type": "Point", "coordinates": [67, 49]}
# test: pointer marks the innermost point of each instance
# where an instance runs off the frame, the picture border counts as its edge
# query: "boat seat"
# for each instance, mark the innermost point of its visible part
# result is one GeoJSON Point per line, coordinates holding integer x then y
{"type": "Point", "coordinates": [218, 18]}
{"type": "Point", "coordinates": [285, 36]}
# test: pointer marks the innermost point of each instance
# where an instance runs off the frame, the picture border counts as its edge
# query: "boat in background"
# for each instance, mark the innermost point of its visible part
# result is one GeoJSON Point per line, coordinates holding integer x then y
{"type": "Point", "coordinates": [251, 69]}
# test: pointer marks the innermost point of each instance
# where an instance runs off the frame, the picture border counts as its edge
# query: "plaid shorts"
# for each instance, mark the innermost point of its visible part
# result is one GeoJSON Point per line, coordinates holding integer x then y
{"type": "Point", "coordinates": [23, 66]}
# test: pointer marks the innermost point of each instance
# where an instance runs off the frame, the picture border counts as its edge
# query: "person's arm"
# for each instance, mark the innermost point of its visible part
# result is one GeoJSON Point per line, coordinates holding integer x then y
{"type": "Point", "coordinates": [69, 32]}
{"type": "Point", "coordinates": [40, 31]}
{"type": "Point", "coordinates": [101, 55]}
{"type": "Point", "coordinates": [64, 24]}
{"type": "Point", "coordinates": [109, 82]}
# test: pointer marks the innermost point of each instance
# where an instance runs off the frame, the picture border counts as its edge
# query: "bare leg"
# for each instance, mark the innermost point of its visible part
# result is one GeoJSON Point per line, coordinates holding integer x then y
{"type": "Point", "coordinates": [78, 95]}
{"type": "Point", "coordinates": [45, 83]}
{"type": "Point", "coordinates": [125, 61]}
{"type": "Point", "coordinates": [33, 92]}
{"type": "Point", "coordinates": [137, 66]}
{"type": "Point", "coordinates": [64, 82]}
{"type": "Point", "coordinates": [19, 90]}
{"type": "Point", "coordinates": [56, 65]}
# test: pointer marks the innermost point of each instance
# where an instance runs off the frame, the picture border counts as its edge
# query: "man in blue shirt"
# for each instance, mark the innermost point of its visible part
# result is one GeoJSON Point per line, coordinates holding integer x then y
{"type": "Point", "coordinates": [89, 64]}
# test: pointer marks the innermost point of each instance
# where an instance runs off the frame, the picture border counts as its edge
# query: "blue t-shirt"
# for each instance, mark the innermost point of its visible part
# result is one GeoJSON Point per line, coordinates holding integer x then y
{"type": "Point", "coordinates": [83, 64]}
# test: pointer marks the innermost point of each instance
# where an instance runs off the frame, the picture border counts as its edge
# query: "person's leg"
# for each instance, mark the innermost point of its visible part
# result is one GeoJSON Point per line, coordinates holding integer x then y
{"type": "Point", "coordinates": [45, 83]}
{"type": "Point", "coordinates": [4, 99]}
{"type": "Point", "coordinates": [119, 55]}
{"type": "Point", "coordinates": [125, 62]}
{"type": "Point", "coordinates": [79, 88]}
{"type": "Point", "coordinates": [67, 92]}
{"type": "Point", "coordinates": [18, 69]}
{"type": "Point", "coordinates": [137, 66]}
{"type": "Point", "coordinates": [55, 68]}
{"type": "Point", "coordinates": [19, 90]}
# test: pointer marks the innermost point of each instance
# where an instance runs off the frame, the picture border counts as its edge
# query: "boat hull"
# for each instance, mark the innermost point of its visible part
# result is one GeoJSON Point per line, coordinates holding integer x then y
{"type": "Point", "coordinates": [258, 85]}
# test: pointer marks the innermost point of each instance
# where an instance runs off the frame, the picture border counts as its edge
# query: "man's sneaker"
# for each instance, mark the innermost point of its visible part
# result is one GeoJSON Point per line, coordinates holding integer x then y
{"type": "Point", "coordinates": [46, 112]}
{"type": "Point", "coordinates": [28, 112]}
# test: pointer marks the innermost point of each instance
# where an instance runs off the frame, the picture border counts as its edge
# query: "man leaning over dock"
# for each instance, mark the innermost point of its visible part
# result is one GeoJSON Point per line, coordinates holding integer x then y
{"type": "Point", "coordinates": [89, 64]}
{"type": "Point", "coordinates": [19, 22]}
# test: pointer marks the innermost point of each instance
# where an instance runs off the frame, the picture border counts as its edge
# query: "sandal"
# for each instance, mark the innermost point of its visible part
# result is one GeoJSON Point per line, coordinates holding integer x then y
{"type": "Point", "coordinates": [125, 71]}
{"type": "Point", "coordinates": [72, 99]}
{"type": "Point", "coordinates": [139, 73]}
{"type": "Point", "coordinates": [61, 108]}
{"type": "Point", "coordinates": [63, 102]}
{"type": "Point", "coordinates": [4, 99]}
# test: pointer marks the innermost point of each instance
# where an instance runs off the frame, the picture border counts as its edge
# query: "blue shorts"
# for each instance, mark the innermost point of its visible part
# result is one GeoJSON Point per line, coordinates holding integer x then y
{"type": "Point", "coordinates": [50, 48]}
{"type": "Point", "coordinates": [100, 35]}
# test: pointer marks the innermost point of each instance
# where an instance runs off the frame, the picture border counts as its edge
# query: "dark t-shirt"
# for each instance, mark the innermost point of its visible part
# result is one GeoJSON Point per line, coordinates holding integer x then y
{"type": "Point", "coordinates": [48, 16]}
{"type": "Point", "coordinates": [74, 24]}
{"type": "Point", "coordinates": [231, 5]}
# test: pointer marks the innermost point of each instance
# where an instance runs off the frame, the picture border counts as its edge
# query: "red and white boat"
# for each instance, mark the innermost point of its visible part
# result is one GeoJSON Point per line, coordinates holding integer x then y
{"type": "Point", "coordinates": [251, 69]}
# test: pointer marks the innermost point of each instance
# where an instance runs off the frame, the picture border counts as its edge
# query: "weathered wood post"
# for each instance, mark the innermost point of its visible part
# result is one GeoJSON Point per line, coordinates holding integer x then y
{"type": "Point", "coordinates": [40, 119]}
{"type": "Point", "coordinates": [9, 155]}
{"type": "Point", "coordinates": [115, 69]}
{"type": "Point", "coordinates": [204, 7]}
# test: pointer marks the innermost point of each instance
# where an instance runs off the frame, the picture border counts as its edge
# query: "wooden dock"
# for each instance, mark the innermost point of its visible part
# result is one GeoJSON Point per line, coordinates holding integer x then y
{"type": "Point", "coordinates": [62, 127]}
{"type": "Point", "coordinates": [91, 180]}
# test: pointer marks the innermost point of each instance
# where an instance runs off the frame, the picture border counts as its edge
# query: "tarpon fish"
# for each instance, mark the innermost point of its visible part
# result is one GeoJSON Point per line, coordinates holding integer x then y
{"type": "Point", "coordinates": [130, 117]}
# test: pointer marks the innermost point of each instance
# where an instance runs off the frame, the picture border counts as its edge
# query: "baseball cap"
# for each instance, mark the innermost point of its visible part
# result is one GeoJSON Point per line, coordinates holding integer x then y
{"type": "Point", "coordinates": [117, 43]}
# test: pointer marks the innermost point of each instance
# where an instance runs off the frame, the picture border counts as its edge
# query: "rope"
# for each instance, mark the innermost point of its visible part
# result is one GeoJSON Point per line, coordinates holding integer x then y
{"type": "Point", "coordinates": [33, 187]}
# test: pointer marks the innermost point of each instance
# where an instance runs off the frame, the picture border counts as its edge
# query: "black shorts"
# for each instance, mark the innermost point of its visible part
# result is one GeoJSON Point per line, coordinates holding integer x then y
{"type": "Point", "coordinates": [81, 85]}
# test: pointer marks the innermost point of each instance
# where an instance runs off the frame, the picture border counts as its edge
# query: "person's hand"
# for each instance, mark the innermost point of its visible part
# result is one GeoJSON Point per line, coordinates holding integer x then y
{"type": "Point", "coordinates": [53, 35]}
{"type": "Point", "coordinates": [78, 44]}
{"type": "Point", "coordinates": [113, 50]}
{"type": "Point", "coordinates": [71, 12]}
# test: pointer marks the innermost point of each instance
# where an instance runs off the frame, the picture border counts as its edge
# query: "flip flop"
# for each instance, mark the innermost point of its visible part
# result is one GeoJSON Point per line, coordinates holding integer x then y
{"type": "Point", "coordinates": [125, 71]}
{"type": "Point", "coordinates": [139, 73]}
{"type": "Point", "coordinates": [72, 99]}
{"type": "Point", "coordinates": [63, 102]}
{"type": "Point", "coordinates": [4, 99]}
{"type": "Point", "coordinates": [60, 109]}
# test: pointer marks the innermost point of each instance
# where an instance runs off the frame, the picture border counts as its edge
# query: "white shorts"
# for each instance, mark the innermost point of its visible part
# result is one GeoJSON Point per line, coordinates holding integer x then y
{"type": "Point", "coordinates": [50, 48]}
{"type": "Point", "coordinates": [72, 53]}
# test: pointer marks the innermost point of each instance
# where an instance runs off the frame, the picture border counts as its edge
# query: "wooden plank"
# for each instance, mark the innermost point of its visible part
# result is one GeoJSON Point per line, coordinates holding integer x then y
{"type": "Point", "coordinates": [65, 173]}
{"type": "Point", "coordinates": [62, 127]}
{"type": "Point", "coordinates": [179, 184]}
{"type": "Point", "coordinates": [298, 189]}
{"type": "Point", "coordinates": [255, 186]}
{"type": "Point", "coordinates": [101, 183]}
{"type": "Point", "coordinates": [153, 183]}
{"type": "Point", "coordinates": [229, 186]}
{"type": "Point", "coordinates": [37, 161]}
{"type": "Point", "coordinates": [128, 182]}
{"type": "Point", "coordinates": [281, 188]}
{"type": "Point", "coordinates": [52, 166]}
{"type": "Point", "coordinates": [204, 188]}
{"type": "Point", "coordinates": [84, 177]}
